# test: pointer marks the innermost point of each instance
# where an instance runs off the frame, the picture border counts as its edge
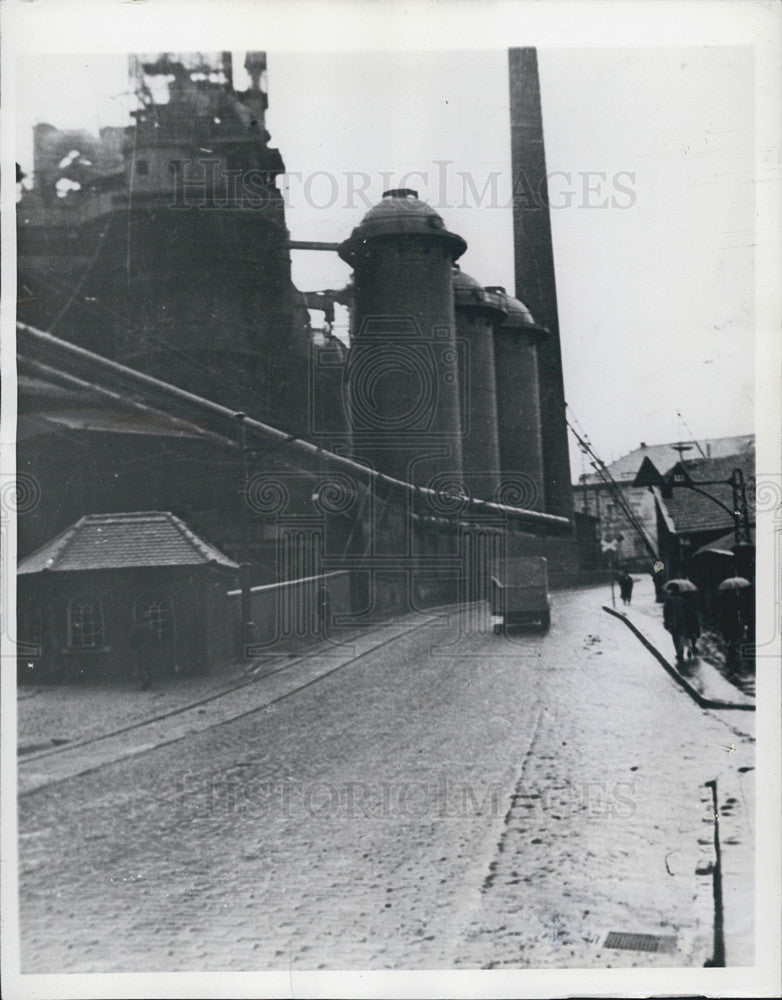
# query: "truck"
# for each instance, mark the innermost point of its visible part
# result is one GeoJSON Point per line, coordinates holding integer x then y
{"type": "Point", "coordinates": [519, 593]}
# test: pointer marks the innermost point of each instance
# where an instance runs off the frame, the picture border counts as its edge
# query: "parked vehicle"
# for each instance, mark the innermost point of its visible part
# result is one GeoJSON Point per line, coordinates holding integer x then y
{"type": "Point", "coordinates": [519, 593]}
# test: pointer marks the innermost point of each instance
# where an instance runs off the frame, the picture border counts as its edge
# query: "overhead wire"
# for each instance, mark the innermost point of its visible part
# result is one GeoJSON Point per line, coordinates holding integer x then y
{"type": "Point", "coordinates": [604, 474]}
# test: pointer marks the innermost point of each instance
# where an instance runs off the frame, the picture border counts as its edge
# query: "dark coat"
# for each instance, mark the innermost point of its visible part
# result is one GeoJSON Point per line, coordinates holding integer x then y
{"type": "Point", "coordinates": [692, 618]}
{"type": "Point", "coordinates": [674, 614]}
{"type": "Point", "coordinates": [731, 616]}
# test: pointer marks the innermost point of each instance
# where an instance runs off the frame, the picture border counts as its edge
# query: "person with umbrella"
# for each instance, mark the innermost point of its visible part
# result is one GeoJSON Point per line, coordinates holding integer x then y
{"type": "Point", "coordinates": [677, 619]}
{"type": "Point", "coordinates": [730, 603]}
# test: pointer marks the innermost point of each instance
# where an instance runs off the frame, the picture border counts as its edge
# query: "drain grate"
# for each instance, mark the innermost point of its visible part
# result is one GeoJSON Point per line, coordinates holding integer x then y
{"type": "Point", "coordinates": [640, 942]}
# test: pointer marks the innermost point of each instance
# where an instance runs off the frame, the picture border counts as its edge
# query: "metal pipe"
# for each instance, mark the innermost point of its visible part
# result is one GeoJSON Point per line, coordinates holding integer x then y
{"type": "Point", "coordinates": [312, 245]}
{"type": "Point", "coordinates": [49, 347]}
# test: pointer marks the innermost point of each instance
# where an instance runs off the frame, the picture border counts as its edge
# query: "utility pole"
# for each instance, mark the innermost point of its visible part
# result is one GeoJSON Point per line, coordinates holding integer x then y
{"type": "Point", "coordinates": [613, 574]}
{"type": "Point", "coordinates": [681, 447]}
{"type": "Point", "coordinates": [680, 479]}
{"type": "Point", "coordinates": [686, 427]}
{"type": "Point", "coordinates": [740, 509]}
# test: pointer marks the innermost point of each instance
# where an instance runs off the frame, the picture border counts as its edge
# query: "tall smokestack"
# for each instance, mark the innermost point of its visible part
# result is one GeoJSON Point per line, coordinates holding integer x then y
{"type": "Point", "coordinates": [534, 269]}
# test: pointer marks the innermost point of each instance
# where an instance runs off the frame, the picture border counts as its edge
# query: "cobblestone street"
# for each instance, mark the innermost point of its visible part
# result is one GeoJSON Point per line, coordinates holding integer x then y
{"type": "Point", "coordinates": [478, 802]}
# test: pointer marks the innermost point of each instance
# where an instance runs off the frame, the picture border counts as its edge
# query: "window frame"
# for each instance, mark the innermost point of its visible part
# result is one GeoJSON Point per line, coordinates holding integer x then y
{"type": "Point", "coordinates": [166, 634]}
{"type": "Point", "coordinates": [96, 624]}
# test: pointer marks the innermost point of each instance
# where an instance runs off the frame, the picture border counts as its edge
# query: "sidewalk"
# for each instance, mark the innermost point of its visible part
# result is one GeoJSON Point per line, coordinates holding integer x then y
{"type": "Point", "coordinates": [733, 850]}
{"type": "Point", "coordinates": [54, 714]}
{"type": "Point", "coordinates": [701, 679]}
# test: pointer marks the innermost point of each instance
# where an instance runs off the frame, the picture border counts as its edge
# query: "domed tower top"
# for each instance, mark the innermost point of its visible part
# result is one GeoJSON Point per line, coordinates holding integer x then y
{"type": "Point", "coordinates": [518, 317]}
{"type": "Point", "coordinates": [400, 213]}
{"type": "Point", "coordinates": [471, 296]}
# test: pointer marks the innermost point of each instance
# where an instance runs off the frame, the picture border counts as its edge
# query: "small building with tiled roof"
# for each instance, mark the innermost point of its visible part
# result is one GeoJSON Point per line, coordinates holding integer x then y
{"type": "Point", "coordinates": [83, 595]}
{"type": "Point", "coordinates": [689, 519]}
{"type": "Point", "coordinates": [592, 495]}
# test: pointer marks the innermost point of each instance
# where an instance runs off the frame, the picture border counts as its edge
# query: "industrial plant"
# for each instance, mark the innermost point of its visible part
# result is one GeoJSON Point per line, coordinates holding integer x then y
{"type": "Point", "coordinates": [167, 363]}
{"type": "Point", "coordinates": [323, 661]}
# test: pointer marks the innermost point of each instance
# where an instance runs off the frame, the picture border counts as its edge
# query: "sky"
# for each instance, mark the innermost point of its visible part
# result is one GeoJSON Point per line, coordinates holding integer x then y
{"type": "Point", "coordinates": [652, 157]}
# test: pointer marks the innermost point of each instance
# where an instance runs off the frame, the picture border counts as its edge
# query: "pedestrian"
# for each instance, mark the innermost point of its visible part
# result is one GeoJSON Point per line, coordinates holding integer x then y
{"type": "Point", "coordinates": [731, 626]}
{"type": "Point", "coordinates": [616, 581]}
{"type": "Point", "coordinates": [144, 642]}
{"type": "Point", "coordinates": [626, 587]}
{"type": "Point", "coordinates": [674, 618]}
{"type": "Point", "coordinates": [692, 622]}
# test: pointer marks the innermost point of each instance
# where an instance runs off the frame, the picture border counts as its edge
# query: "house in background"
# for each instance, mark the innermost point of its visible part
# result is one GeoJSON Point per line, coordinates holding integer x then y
{"type": "Point", "coordinates": [689, 520]}
{"type": "Point", "coordinates": [591, 495]}
{"type": "Point", "coordinates": [82, 595]}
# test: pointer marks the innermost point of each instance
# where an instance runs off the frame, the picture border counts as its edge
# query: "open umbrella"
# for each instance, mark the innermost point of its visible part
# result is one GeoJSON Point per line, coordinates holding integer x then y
{"type": "Point", "coordinates": [734, 583]}
{"type": "Point", "coordinates": [683, 586]}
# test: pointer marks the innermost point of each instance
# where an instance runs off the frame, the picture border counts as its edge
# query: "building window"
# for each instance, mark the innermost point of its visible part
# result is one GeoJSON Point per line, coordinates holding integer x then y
{"type": "Point", "coordinates": [155, 607]}
{"type": "Point", "coordinates": [85, 623]}
{"type": "Point", "coordinates": [142, 168]}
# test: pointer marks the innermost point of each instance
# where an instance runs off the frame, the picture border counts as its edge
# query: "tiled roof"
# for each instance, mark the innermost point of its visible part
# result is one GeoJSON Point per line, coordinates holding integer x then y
{"type": "Point", "coordinates": [719, 467]}
{"type": "Point", "coordinates": [689, 511]}
{"type": "Point", "coordinates": [121, 541]}
{"type": "Point", "coordinates": [723, 545]}
{"type": "Point", "coordinates": [663, 456]}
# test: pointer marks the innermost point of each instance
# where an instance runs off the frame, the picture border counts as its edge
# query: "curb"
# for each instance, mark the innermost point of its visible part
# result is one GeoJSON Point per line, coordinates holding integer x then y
{"type": "Point", "coordinates": [696, 696]}
{"type": "Point", "coordinates": [717, 959]}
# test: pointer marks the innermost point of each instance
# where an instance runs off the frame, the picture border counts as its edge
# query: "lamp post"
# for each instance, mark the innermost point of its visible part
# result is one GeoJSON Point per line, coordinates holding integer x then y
{"type": "Point", "coordinates": [649, 476]}
{"type": "Point", "coordinates": [739, 511]}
